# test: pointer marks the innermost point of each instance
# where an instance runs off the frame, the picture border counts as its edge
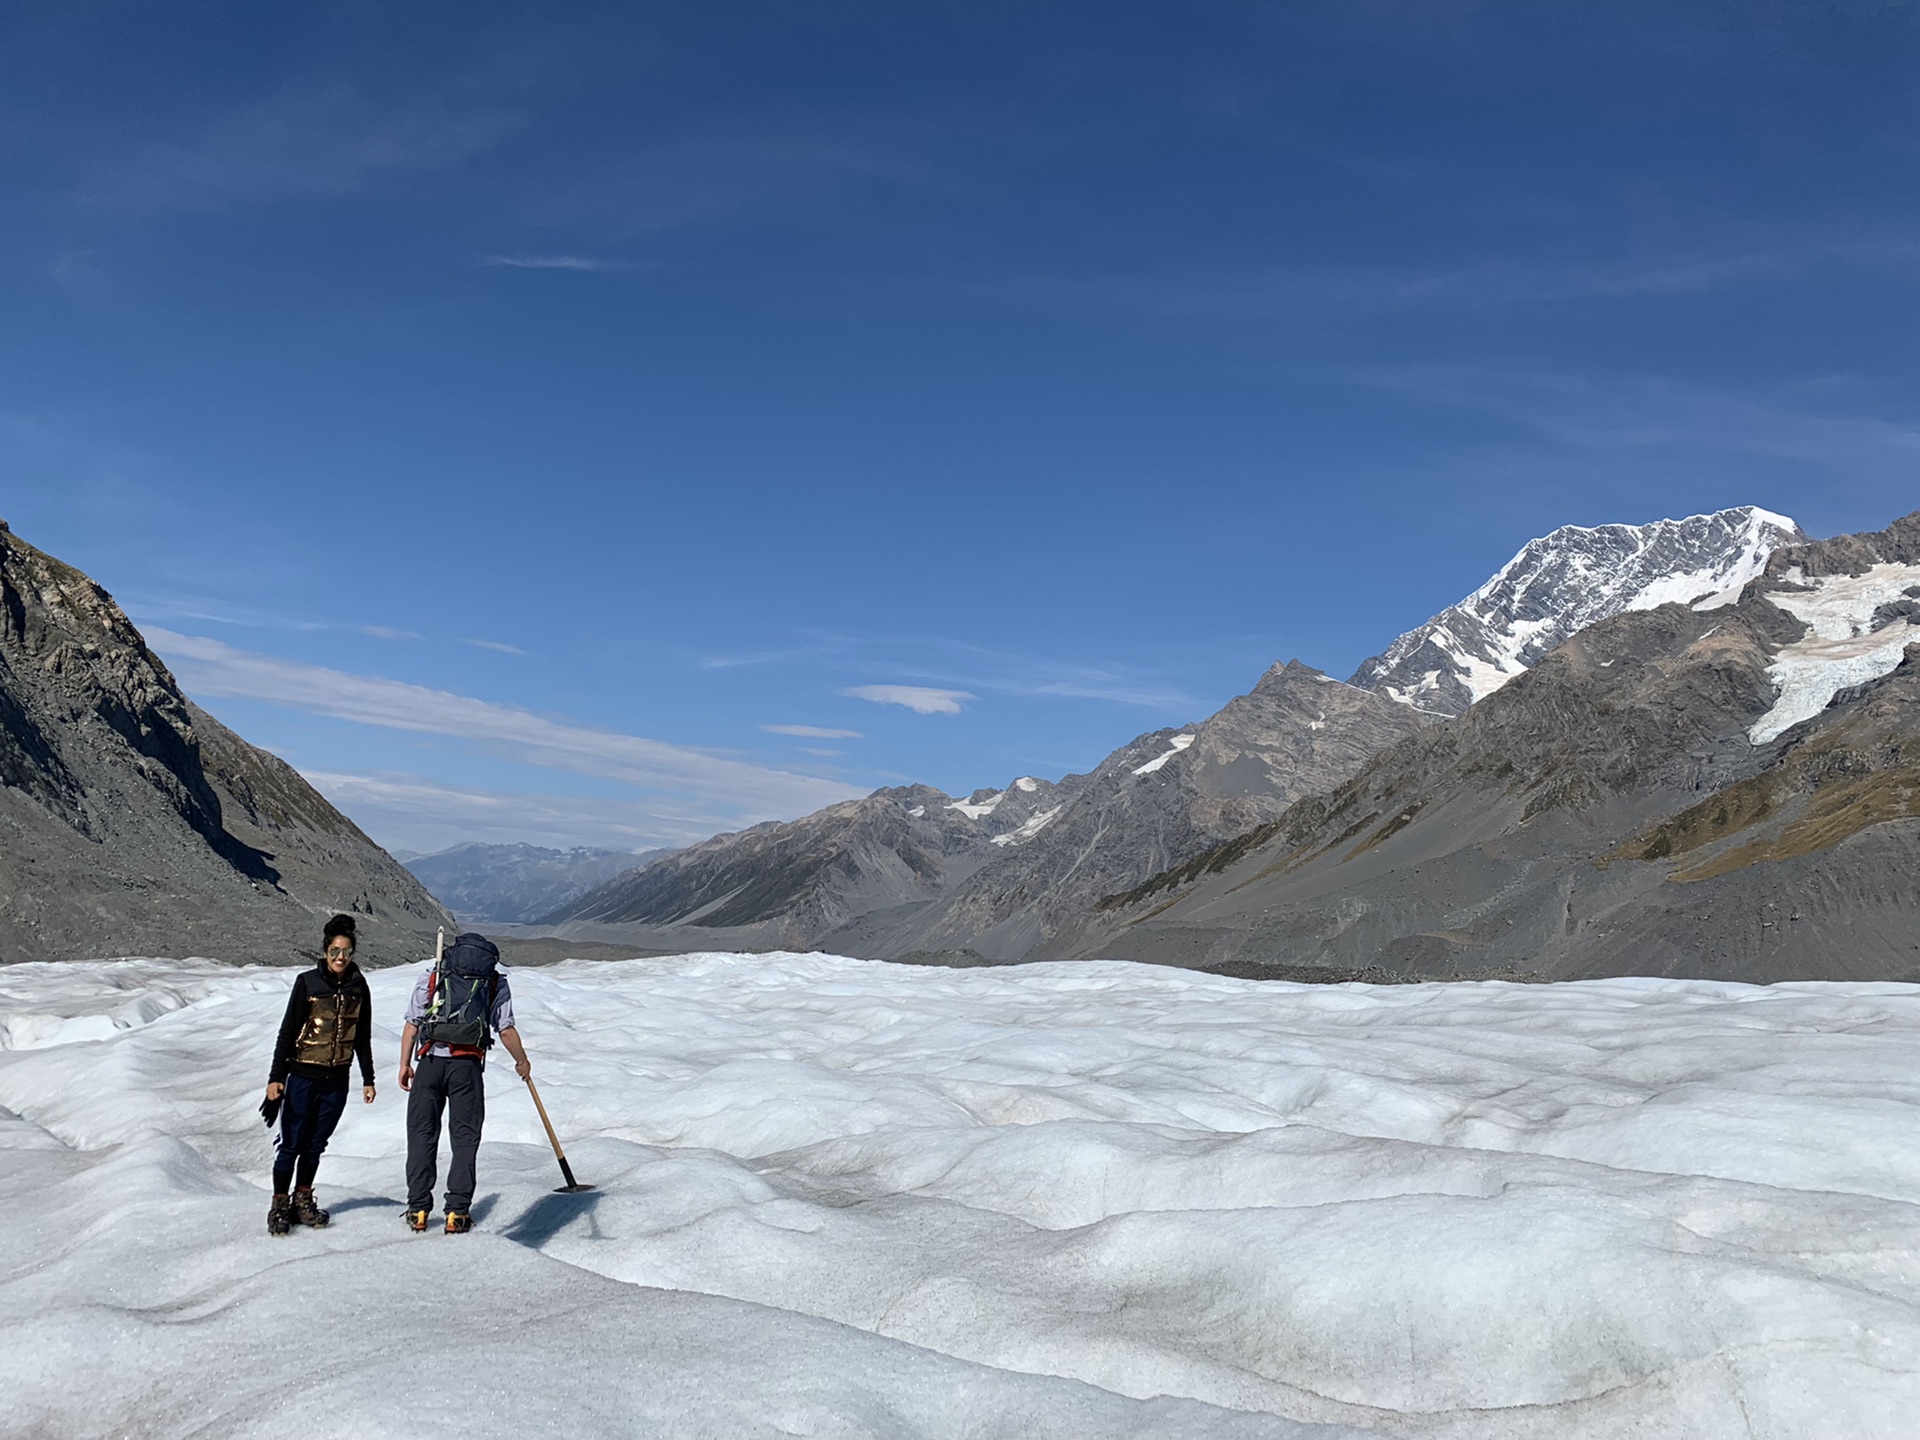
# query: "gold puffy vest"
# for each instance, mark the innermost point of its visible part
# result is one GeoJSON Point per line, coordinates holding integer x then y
{"type": "Point", "coordinates": [333, 1023]}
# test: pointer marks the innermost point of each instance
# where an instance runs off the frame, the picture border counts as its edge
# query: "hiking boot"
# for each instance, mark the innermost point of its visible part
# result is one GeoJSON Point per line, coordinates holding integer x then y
{"type": "Point", "coordinates": [459, 1222]}
{"type": "Point", "coordinates": [417, 1220]}
{"type": "Point", "coordinates": [305, 1212]}
{"type": "Point", "coordinates": [279, 1216]}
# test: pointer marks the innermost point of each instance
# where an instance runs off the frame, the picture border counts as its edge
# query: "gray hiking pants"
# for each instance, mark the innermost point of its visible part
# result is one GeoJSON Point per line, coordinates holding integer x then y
{"type": "Point", "coordinates": [454, 1084]}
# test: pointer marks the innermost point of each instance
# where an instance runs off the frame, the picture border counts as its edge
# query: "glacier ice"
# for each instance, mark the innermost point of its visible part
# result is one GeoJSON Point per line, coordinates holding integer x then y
{"type": "Point", "coordinates": [1841, 647]}
{"type": "Point", "coordinates": [849, 1198]}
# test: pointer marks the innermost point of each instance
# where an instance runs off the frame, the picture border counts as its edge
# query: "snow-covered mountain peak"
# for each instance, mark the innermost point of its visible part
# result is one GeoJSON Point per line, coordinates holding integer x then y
{"type": "Point", "coordinates": [1560, 584]}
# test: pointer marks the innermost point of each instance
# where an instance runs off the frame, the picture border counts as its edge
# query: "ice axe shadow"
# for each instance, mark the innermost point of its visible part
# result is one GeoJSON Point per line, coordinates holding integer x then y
{"type": "Point", "coordinates": [573, 1186]}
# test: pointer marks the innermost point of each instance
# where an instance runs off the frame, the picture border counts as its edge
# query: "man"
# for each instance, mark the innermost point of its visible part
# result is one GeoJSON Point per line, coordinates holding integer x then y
{"type": "Point", "coordinates": [456, 1009]}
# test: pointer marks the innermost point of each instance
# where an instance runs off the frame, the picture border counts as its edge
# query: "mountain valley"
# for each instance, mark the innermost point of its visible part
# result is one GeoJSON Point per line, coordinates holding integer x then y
{"type": "Point", "coordinates": [516, 884]}
{"type": "Point", "coordinates": [1684, 748]}
{"type": "Point", "coordinates": [1113, 863]}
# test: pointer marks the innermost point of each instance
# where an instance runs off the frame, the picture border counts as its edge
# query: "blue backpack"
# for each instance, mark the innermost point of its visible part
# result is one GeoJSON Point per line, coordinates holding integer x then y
{"type": "Point", "coordinates": [461, 992]}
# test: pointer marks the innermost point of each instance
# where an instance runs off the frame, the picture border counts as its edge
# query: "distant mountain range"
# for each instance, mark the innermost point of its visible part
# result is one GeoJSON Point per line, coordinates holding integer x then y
{"type": "Point", "coordinates": [133, 823]}
{"type": "Point", "coordinates": [912, 870]}
{"type": "Point", "coordinates": [790, 884]}
{"type": "Point", "coordinates": [1687, 748]}
{"type": "Point", "coordinates": [1115, 862]}
{"type": "Point", "coordinates": [516, 883]}
{"type": "Point", "coordinates": [1155, 802]}
{"type": "Point", "coordinates": [1729, 788]}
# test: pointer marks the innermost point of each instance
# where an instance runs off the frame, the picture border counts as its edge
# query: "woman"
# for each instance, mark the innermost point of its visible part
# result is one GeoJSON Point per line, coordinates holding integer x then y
{"type": "Point", "coordinates": [328, 1024]}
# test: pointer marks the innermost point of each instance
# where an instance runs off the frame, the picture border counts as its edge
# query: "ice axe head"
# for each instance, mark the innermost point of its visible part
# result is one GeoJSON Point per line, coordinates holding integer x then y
{"type": "Point", "coordinates": [573, 1186]}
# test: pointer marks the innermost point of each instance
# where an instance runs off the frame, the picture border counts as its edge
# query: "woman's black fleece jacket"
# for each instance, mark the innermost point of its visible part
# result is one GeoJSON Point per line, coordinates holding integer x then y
{"type": "Point", "coordinates": [316, 984]}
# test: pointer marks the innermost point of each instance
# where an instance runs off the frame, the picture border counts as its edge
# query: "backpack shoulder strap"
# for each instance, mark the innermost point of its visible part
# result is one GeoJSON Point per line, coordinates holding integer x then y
{"type": "Point", "coordinates": [423, 1033]}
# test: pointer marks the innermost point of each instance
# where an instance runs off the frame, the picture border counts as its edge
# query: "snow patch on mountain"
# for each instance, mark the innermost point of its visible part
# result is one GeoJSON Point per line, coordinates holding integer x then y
{"type": "Point", "coordinates": [1175, 744]}
{"type": "Point", "coordinates": [1857, 634]}
{"type": "Point", "coordinates": [981, 809]}
{"type": "Point", "coordinates": [1562, 583]}
{"type": "Point", "coordinates": [1029, 828]}
{"type": "Point", "coordinates": [1724, 587]}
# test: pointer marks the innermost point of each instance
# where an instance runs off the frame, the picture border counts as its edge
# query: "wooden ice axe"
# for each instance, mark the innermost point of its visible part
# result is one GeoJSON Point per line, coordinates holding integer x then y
{"type": "Point", "coordinates": [573, 1186]}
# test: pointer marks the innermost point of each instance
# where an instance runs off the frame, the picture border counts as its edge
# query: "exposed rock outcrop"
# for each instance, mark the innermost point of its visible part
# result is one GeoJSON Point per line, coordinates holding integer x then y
{"type": "Point", "coordinates": [132, 822]}
{"type": "Point", "coordinates": [1166, 797]}
{"type": "Point", "coordinates": [1610, 811]}
{"type": "Point", "coordinates": [789, 884]}
{"type": "Point", "coordinates": [1560, 584]}
{"type": "Point", "coordinates": [870, 878]}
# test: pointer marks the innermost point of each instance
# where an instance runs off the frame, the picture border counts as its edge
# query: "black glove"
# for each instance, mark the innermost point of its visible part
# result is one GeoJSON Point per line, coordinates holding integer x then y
{"type": "Point", "coordinates": [269, 1111]}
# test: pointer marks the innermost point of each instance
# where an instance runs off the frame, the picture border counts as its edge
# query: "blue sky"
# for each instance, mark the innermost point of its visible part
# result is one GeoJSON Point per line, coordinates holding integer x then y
{"type": "Point", "coordinates": [590, 423]}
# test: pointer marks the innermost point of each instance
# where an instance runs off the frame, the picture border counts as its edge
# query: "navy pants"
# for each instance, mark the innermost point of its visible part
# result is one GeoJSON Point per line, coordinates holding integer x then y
{"type": "Point", "coordinates": [309, 1112]}
{"type": "Point", "coordinates": [453, 1084]}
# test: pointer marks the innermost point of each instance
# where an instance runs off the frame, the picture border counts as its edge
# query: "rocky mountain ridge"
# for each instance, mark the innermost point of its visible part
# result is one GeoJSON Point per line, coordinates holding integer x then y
{"type": "Point", "coordinates": [910, 871]}
{"type": "Point", "coordinates": [1563, 582]}
{"type": "Point", "coordinates": [1736, 706]}
{"type": "Point", "coordinates": [1727, 789]}
{"type": "Point", "coordinates": [1167, 796]}
{"type": "Point", "coordinates": [131, 822]}
{"type": "Point", "coordinates": [788, 884]}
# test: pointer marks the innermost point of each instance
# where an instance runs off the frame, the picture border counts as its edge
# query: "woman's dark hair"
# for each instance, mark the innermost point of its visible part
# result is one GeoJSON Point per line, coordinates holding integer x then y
{"type": "Point", "coordinates": [340, 925]}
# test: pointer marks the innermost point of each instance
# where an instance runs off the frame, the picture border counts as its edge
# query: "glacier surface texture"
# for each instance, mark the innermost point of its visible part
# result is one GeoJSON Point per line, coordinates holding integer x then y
{"type": "Point", "coordinates": [851, 1199]}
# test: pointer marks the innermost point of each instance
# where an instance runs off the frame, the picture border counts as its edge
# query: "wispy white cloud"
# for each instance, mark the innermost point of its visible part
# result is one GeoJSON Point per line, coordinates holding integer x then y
{"type": "Point", "coordinates": [499, 645]}
{"type": "Point", "coordinates": [921, 699]}
{"type": "Point", "coordinates": [811, 750]}
{"type": "Point", "coordinates": [792, 167]}
{"type": "Point", "coordinates": [407, 812]}
{"type": "Point", "coordinates": [144, 609]}
{"type": "Point", "coordinates": [819, 647]}
{"type": "Point", "coordinates": [551, 262]}
{"type": "Point", "coordinates": [812, 732]}
{"type": "Point", "coordinates": [1322, 291]}
{"type": "Point", "coordinates": [147, 607]}
{"type": "Point", "coordinates": [80, 271]}
{"type": "Point", "coordinates": [1094, 685]}
{"type": "Point", "coordinates": [1022, 673]}
{"type": "Point", "coordinates": [314, 139]}
{"type": "Point", "coordinates": [962, 668]}
{"type": "Point", "coordinates": [1828, 421]}
{"type": "Point", "coordinates": [753, 792]}
{"type": "Point", "coordinates": [1481, 285]}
